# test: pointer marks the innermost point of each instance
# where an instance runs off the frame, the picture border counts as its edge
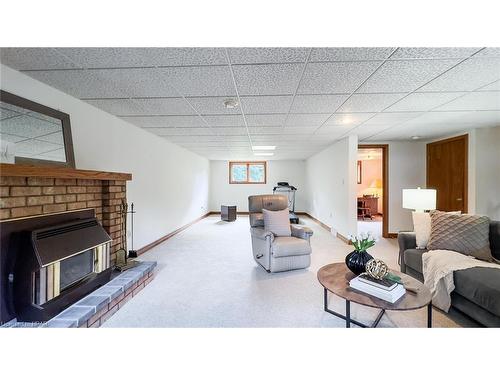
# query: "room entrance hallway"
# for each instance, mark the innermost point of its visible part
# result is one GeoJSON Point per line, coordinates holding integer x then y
{"type": "Point", "coordinates": [206, 277]}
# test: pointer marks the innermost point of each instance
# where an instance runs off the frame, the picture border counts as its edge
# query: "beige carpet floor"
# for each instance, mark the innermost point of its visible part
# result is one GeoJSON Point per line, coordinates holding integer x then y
{"type": "Point", "coordinates": [206, 277]}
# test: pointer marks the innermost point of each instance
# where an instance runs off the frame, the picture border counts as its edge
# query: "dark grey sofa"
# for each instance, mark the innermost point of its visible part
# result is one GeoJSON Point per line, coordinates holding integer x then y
{"type": "Point", "coordinates": [477, 290]}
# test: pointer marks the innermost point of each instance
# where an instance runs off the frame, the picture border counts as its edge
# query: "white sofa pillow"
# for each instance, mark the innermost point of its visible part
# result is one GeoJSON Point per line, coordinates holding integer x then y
{"type": "Point", "coordinates": [277, 222]}
{"type": "Point", "coordinates": [422, 227]}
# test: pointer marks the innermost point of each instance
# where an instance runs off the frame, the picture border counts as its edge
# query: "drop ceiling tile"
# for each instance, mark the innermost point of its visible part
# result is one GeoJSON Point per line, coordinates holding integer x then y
{"type": "Point", "coordinates": [335, 129]}
{"type": "Point", "coordinates": [164, 106]}
{"type": "Point", "coordinates": [350, 54]}
{"type": "Point", "coordinates": [317, 103]}
{"type": "Point", "coordinates": [86, 83]}
{"type": "Point", "coordinates": [469, 75]}
{"type": "Point", "coordinates": [233, 138]}
{"type": "Point", "coordinates": [12, 108]}
{"type": "Point", "coordinates": [419, 101]}
{"type": "Point", "coordinates": [118, 107]}
{"type": "Point", "coordinates": [199, 80]}
{"type": "Point", "coordinates": [433, 53]}
{"type": "Point", "coordinates": [212, 106]}
{"type": "Point", "coordinates": [144, 57]}
{"type": "Point", "coordinates": [27, 126]}
{"type": "Point", "coordinates": [495, 86]}
{"type": "Point", "coordinates": [306, 119]}
{"type": "Point", "coordinates": [348, 118]}
{"type": "Point", "coordinates": [436, 118]}
{"type": "Point", "coordinates": [229, 131]}
{"type": "Point", "coordinates": [405, 75]}
{"type": "Point", "coordinates": [369, 102]}
{"type": "Point", "coordinates": [488, 100]}
{"type": "Point", "coordinates": [267, 55]}
{"type": "Point", "coordinates": [481, 119]}
{"type": "Point", "coordinates": [488, 52]}
{"type": "Point", "coordinates": [265, 120]}
{"type": "Point", "coordinates": [266, 104]}
{"type": "Point", "coordinates": [34, 58]}
{"type": "Point", "coordinates": [191, 132]}
{"type": "Point", "coordinates": [335, 77]}
{"type": "Point", "coordinates": [261, 130]}
{"type": "Point", "coordinates": [165, 121]}
{"type": "Point", "coordinates": [55, 155]}
{"type": "Point", "coordinates": [364, 131]}
{"type": "Point", "coordinates": [392, 118]}
{"type": "Point", "coordinates": [306, 130]}
{"type": "Point", "coordinates": [275, 79]}
{"type": "Point", "coordinates": [225, 120]}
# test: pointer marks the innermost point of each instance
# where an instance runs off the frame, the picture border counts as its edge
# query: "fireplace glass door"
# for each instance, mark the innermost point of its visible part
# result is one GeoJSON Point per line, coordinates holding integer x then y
{"type": "Point", "coordinates": [76, 268]}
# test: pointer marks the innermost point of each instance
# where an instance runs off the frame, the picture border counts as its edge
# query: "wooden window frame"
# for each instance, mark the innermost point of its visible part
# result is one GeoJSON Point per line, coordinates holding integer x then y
{"type": "Point", "coordinates": [248, 164]}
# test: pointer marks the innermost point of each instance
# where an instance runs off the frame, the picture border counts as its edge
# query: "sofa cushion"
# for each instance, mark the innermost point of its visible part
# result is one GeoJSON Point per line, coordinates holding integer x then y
{"type": "Point", "coordinates": [413, 258]}
{"type": "Point", "coordinates": [466, 234]}
{"type": "Point", "coordinates": [480, 285]}
{"type": "Point", "coordinates": [277, 222]}
{"type": "Point", "coordinates": [290, 246]}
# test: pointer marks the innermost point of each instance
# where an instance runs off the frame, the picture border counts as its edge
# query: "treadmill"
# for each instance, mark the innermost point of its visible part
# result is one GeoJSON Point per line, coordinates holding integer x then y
{"type": "Point", "coordinates": [284, 188]}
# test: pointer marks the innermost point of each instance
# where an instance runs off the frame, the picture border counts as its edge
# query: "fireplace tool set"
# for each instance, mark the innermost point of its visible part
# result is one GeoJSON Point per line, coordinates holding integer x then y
{"type": "Point", "coordinates": [123, 261]}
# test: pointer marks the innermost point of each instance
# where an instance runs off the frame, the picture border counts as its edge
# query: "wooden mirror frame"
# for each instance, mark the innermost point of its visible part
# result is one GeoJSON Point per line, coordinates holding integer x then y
{"type": "Point", "coordinates": [18, 101]}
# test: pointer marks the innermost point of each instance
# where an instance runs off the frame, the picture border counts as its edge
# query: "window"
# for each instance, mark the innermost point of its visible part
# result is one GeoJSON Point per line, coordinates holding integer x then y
{"type": "Point", "coordinates": [247, 172]}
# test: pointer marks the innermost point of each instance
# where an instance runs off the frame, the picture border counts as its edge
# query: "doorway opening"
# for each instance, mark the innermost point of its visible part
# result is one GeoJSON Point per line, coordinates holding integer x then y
{"type": "Point", "coordinates": [372, 190]}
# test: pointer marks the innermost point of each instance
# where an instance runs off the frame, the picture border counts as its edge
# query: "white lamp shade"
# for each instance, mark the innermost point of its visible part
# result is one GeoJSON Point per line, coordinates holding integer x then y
{"type": "Point", "coordinates": [419, 199]}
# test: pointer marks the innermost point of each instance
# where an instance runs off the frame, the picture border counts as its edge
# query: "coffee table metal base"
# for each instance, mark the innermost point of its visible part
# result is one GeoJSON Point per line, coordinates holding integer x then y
{"type": "Point", "coordinates": [347, 316]}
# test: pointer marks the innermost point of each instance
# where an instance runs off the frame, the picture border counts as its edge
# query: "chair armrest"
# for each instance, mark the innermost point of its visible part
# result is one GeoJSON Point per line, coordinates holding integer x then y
{"type": "Point", "coordinates": [261, 233]}
{"type": "Point", "coordinates": [301, 232]}
{"type": "Point", "coordinates": [406, 240]}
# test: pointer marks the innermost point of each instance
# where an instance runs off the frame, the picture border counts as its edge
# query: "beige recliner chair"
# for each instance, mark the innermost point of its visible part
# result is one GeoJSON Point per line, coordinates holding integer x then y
{"type": "Point", "coordinates": [277, 254]}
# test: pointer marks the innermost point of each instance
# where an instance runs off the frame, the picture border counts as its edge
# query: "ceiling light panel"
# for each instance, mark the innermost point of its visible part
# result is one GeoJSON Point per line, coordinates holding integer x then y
{"type": "Point", "coordinates": [165, 121]}
{"type": "Point", "coordinates": [335, 78]}
{"type": "Point", "coordinates": [420, 101]}
{"type": "Point", "coordinates": [267, 55]}
{"type": "Point", "coordinates": [488, 100]}
{"type": "Point", "coordinates": [369, 102]}
{"type": "Point", "coordinates": [349, 54]}
{"type": "Point", "coordinates": [469, 75]}
{"type": "Point", "coordinates": [317, 103]}
{"type": "Point", "coordinates": [433, 53]}
{"type": "Point", "coordinates": [266, 104]}
{"type": "Point", "coordinates": [275, 79]}
{"type": "Point", "coordinates": [405, 75]}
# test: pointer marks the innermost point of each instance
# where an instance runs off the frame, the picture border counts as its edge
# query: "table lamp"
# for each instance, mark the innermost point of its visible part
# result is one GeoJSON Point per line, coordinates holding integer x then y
{"type": "Point", "coordinates": [419, 199]}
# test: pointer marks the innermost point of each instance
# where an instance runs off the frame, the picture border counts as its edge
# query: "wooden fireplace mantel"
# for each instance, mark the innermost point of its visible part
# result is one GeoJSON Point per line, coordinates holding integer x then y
{"type": "Point", "coordinates": [25, 170]}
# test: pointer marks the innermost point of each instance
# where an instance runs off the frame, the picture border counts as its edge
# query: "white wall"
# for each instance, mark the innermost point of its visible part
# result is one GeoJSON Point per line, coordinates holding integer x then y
{"type": "Point", "coordinates": [169, 184]}
{"type": "Point", "coordinates": [486, 176]}
{"type": "Point", "coordinates": [331, 176]}
{"type": "Point", "coordinates": [224, 193]}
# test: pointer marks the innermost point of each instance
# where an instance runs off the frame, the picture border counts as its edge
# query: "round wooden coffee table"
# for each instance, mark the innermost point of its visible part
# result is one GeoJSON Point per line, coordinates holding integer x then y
{"type": "Point", "coordinates": [335, 278]}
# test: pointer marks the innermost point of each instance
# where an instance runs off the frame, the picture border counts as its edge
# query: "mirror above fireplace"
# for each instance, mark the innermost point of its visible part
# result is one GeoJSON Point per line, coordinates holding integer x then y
{"type": "Point", "coordinates": [32, 133]}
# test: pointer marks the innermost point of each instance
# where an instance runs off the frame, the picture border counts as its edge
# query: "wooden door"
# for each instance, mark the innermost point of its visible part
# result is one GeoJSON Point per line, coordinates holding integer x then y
{"type": "Point", "coordinates": [447, 172]}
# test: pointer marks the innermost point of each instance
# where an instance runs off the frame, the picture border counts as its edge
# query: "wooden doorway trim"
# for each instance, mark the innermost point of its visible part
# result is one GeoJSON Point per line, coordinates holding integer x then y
{"type": "Point", "coordinates": [385, 184]}
{"type": "Point", "coordinates": [465, 138]}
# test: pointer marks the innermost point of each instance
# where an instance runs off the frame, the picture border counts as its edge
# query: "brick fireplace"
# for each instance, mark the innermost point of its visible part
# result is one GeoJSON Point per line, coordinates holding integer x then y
{"type": "Point", "coordinates": [38, 193]}
{"type": "Point", "coordinates": [32, 190]}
